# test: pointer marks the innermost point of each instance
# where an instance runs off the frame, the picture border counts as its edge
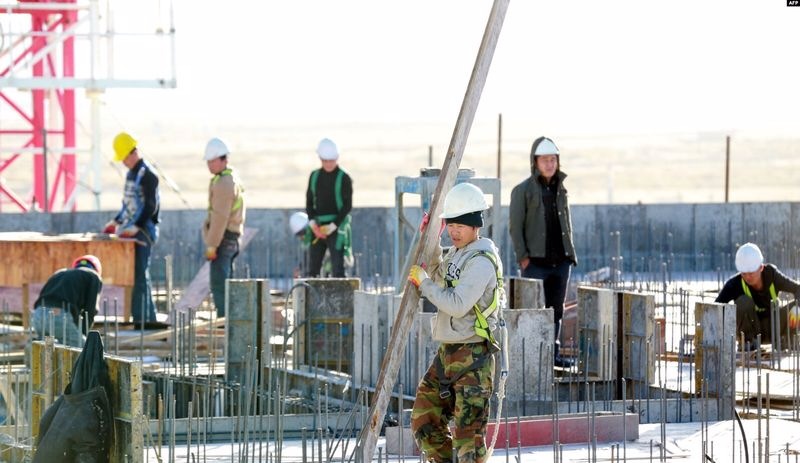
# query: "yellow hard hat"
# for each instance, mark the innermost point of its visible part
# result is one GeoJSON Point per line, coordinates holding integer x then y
{"type": "Point", "coordinates": [123, 145]}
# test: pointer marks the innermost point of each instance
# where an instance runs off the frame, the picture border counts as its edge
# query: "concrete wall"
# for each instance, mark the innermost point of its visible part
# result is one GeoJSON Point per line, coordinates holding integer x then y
{"type": "Point", "coordinates": [691, 237]}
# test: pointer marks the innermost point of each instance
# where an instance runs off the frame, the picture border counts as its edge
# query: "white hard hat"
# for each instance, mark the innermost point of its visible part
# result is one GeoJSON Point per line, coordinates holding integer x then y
{"type": "Point", "coordinates": [215, 148]}
{"type": "Point", "coordinates": [543, 146]}
{"type": "Point", "coordinates": [298, 221]}
{"type": "Point", "coordinates": [327, 150]}
{"type": "Point", "coordinates": [463, 199]}
{"type": "Point", "coordinates": [748, 258]}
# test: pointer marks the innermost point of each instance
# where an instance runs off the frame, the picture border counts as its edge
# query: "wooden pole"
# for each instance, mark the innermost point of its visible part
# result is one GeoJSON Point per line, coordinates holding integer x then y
{"type": "Point", "coordinates": [499, 142]}
{"type": "Point", "coordinates": [368, 437]}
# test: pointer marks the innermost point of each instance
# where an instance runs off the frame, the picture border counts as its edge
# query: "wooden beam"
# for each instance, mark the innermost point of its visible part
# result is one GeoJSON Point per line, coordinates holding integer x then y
{"type": "Point", "coordinates": [368, 437]}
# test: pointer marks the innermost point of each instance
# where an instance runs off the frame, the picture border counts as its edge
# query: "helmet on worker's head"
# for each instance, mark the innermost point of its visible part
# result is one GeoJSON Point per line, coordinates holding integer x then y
{"type": "Point", "coordinates": [123, 145]}
{"type": "Point", "coordinates": [327, 150]}
{"type": "Point", "coordinates": [543, 146]}
{"type": "Point", "coordinates": [88, 261]}
{"type": "Point", "coordinates": [215, 148]}
{"type": "Point", "coordinates": [464, 198]}
{"type": "Point", "coordinates": [298, 222]}
{"type": "Point", "coordinates": [748, 258]}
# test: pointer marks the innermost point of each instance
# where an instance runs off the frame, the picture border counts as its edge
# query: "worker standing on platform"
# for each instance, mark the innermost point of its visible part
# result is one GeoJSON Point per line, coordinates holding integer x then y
{"type": "Point", "coordinates": [225, 222]}
{"type": "Point", "coordinates": [67, 304]}
{"type": "Point", "coordinates": [466, 287]}
{"type": "Point", "coordinates": [329, 199]}
{"type": "Point", "coordinates": [754, 290]}
{"type": "Point", "coordinates": [541, 231]}
{"type": "Point", "coordinates": [138, 218]}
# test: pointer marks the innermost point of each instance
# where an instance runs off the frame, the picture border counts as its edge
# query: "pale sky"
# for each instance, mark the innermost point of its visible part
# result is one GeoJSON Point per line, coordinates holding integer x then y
{"type": "Point", "coordinates": [578, 67]}
{"type": "Point", "coordinates": [386, 80]}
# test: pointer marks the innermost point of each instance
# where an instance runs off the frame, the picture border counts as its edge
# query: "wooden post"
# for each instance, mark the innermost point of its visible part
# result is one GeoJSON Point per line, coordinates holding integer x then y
{"type": "Point", "coordinates": [425, 248]}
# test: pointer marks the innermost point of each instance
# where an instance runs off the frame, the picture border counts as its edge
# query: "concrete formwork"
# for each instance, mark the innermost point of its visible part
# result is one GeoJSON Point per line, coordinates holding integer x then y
{"type": "Point", "coordinates": [325, 307]}
{"type": "Point", "coordinates": [524, 293]}
{"type": "Point", "coordinates": [597, 322]}
{"type": "Point", "coordinates": [635, 341]}
{"type": "Point", "coordinates": [530, 351]}
{"type": "Point", "coordinates": [248, 324]}
{"type": "Point", "coordinates": [371, 327]}
{"type": "Point", "coordinates": [715, 347]}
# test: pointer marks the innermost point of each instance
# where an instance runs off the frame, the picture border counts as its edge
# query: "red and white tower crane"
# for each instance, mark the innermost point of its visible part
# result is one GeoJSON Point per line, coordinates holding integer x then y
{"type": "Point", "coordinates": [48, 50]}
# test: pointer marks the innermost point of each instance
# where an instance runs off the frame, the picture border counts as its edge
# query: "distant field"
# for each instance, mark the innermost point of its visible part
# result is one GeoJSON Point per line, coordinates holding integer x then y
{"type": "Point", "coordinates": [275, 162]}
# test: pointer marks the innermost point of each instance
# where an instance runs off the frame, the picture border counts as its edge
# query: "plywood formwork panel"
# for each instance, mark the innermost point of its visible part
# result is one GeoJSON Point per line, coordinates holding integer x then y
{"type": "Point", "coordinates": [51, 368]}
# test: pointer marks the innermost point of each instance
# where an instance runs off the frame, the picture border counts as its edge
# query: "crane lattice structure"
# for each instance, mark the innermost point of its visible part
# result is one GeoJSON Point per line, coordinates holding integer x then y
{"type": "Point", "coordinates": [39, 73]}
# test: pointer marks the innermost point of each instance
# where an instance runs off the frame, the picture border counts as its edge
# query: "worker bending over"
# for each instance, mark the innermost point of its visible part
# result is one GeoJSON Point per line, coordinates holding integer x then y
{"type": "Point", "coordinates": [754, 289]}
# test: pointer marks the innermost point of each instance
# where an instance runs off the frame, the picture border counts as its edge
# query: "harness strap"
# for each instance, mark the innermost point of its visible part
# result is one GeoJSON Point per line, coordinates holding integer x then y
{"type": "Point", "coordinates": [239, 199]}
{"type": "Point", "coordinates": [445, 389]}
{"type": "Point", "coordinates": [772, 293]}
{"type": "Point", "coordinates": [481, 325]}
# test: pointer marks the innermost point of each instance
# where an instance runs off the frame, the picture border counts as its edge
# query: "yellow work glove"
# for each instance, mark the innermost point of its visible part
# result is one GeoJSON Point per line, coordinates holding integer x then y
{"type": "Point", "coordinates": [417, 275]}
{"type": "Point", "coordinates": [211, 253]}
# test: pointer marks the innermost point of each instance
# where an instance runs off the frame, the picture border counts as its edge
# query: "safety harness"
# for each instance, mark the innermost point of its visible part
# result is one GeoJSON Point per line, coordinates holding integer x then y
{"type": "Point", "coordinates": [483, 330]}
{"type": "Point", "coordinates": [772, 293]}
{"type": "Point", "coordinates": [343, 238]}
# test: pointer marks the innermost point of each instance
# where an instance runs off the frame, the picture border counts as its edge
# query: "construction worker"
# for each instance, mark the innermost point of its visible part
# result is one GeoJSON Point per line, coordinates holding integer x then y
{"type": "Point", "coordinates": [138, 218]}
{"type": "Point", "coordinates": [541, 231]}
{"type": "Point", "coordinates": [329, 199]}
{"type": "Point", "coordinates": [224, 225]}
{"type": "Point", "coordinates": [466, 288]}
{"type": "Point", "coordinates": [67, 303]}
{"type": "Point", "coordinates": [754, 290]}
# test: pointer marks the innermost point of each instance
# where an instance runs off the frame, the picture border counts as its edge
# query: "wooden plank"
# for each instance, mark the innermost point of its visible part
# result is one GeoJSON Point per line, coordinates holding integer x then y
{"type": "Point", "coordinates": [166, 334]}
{"type": "Point", "coordinates": [368, 438]}
{"type": "Point", "coordinates": [200, 287]}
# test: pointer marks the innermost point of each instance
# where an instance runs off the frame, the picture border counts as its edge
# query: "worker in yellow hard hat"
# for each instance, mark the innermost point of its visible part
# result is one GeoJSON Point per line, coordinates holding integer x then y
{"type": "Point", "coordinates": [138, 218]}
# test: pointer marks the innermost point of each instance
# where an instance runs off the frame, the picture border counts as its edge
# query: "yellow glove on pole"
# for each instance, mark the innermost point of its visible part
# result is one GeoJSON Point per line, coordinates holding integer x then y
{"type": "Point", "coordinates": [417, 275]}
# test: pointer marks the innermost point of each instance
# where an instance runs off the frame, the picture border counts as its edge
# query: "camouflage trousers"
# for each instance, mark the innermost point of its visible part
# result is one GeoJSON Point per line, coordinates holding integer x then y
{"type": "Point", "coordinates": [467, 405]}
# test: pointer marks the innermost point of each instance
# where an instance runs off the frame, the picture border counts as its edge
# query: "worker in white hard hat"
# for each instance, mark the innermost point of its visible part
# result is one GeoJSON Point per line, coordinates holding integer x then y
{"type": "Point", "coordinates": [67, 303]}
{"type": "Point", "coordinates": [466, 286]}
{"type": "Point", "coordinates": [329, 199]}
{"type": "Point", "coordinates": [540, 225]}
{"type": "Point", "coordinates": [755, 291]}
{"type": "Point", "coordinates": [138, 218]}
{"type": "Point", "coordinates": [224, 224]}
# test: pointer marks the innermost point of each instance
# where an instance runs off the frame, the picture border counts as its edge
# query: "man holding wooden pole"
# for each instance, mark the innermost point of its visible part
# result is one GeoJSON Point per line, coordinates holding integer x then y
{"type": "Point", "coordinates": [467, 289]}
